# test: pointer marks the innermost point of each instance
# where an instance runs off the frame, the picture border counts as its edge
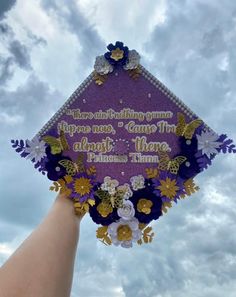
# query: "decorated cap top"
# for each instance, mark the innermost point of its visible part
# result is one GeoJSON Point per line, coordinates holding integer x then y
{"type": "Point", "coordinates": [123, 147]}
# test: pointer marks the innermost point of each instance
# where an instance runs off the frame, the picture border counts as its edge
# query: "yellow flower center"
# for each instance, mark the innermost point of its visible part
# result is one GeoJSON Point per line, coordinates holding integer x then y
{"type": "Point", "coordinates": [124, 233]}
{"type": "Point", "coordinates": [117, 54]}
{"type": "Point", "coordinates": [144, 205]}
{"type": "Point", "coordinates": [104, 209]}
{"type": "Point", "coordinates": [82, 186]}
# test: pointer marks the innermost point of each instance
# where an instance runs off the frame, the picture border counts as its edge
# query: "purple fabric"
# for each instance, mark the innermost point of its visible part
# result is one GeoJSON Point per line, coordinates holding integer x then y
{"type": "Point", "coordinates": [121, 91]}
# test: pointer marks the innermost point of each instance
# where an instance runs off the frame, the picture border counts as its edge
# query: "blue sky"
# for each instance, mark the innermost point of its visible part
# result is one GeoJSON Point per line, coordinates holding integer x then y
{"type": "Point", "coordinates": [47, 48]}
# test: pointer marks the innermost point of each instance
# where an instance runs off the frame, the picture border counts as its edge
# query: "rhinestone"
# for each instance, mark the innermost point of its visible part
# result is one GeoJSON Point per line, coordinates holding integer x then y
{"type": "Point", "coordinates": [122, 173]}
{"type": "Point", "coordinates": [84, 100]}
{"type": "Point", "coordinates": [188, 142]}
{"type": "Point", "coordinates": [57, 168]}
{"type": "Point", "coordinates": [149, 95]}
{"type": "Point", "coordinates": [187, 164]}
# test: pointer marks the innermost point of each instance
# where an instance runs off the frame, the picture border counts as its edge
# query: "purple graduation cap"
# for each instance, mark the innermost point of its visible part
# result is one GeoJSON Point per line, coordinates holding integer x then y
{"type": "Point", "coordinates": [124, 148]}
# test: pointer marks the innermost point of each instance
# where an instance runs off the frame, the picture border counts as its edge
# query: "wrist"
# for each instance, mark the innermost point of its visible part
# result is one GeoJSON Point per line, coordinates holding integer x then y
{"type": "Point", "coordinates": [67, 205]}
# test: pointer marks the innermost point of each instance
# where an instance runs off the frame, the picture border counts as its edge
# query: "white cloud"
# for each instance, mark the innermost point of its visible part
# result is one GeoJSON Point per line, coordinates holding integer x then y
{"type": "Point", "coordinates": [10, 119]}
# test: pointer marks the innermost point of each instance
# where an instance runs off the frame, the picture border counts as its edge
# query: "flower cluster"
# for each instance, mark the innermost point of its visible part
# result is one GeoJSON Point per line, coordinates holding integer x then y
{"type": "Point", "coordinates": [117, 55]}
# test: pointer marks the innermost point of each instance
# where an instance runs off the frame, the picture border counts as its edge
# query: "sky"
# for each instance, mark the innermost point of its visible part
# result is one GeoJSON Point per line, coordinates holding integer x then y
{"type": "Point", "coordinates": [47, 48]}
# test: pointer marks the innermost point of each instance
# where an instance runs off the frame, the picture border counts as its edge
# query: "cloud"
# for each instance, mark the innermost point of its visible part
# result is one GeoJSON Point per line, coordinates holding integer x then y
{"type": "Point", "coordinates": [6, 5]}
{"type": "Point", "coordinates": [20, 54]}
{"type": "Point", "coordinates": [90, 42]}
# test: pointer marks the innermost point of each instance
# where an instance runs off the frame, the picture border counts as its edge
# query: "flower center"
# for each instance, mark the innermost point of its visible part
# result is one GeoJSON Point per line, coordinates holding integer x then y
{"type": "Point", "coordinates": [124, 233]}
{"type": "Point", "coordinates": [57, 168]}
{"type": "Point", "coordinates": [144, 206]}
{"type": "Point", "coordinates": [117, 54]}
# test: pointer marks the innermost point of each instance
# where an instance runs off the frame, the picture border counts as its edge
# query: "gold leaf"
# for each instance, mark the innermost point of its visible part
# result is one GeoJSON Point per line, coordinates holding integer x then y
{"type": "Point", "coordinates": [134, 73]}
{"type": "Point", "coordinates": [152, 172]}
{"type": "Point", "coordinates": [101, 233]}
{"type": "Point", "coordinates": [147, 230]}
{"type": "Point", "coordinates": [142, 226]}
{"type": "Point", "coordinates": [165, 206]}
{"type": "Point", "coordinates": [91, 170]}
{"type": "Point", "coordinates": [190, 188]}
{"type": "Point", "coordinates": [139, 241]}
{"type": "Point", "coordinates": [99, 79]}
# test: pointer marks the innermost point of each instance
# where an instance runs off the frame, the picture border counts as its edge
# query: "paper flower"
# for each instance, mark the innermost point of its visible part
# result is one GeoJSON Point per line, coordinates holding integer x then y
{"type": "Point", "coordinates": [118, 53]}
{"type": "Point", "coordinates": [207, 143]}
{"type": "Point", "coordinates": [168, 186]}
{"type": "Point", "coordinates": [133, 60]}
{"type": "Point", "coordinates": [147, 204]}
{"type": "Point", "coordinates": [109, 185]}
{"type": "Point", "coordinates": [124, 232]}
{"type": "Point", "coordinates": [190, 168]}
{"type": "Point", "coordinates": [188, 146]}
{"type": "Point", "coordinates": [52, 166]}
{"type": "Point", "coordinates": [125, 190]}
{"type": "Point", "coordinates": [137, 182]}
{"type": "Point", "coordinates": [100, 215]}
{"type": "Point", "coordinates": [82, 187]}
{"type": "Point", "coordinates": [127, 211]}
{"type": "Point", "coordinates": [102, 66]}
{"type": "Point", "coordinates": [35, 149]}
{"type": "Point", "coordinates": [104, 209]}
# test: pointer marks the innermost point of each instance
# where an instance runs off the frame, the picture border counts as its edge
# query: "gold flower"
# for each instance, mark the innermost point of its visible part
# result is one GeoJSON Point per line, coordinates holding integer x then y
{"type": "Point", "coordinates": [168, 188]}
{"type": "Point", "coordinates": [124, 232]}
{"type": "Point", "coordinates": [117, 54]}
{"type": "Point", "coordinates": [144, 206]}
{"type": "Point", "coordinates": [104, 209]}
{"type": "Point", "coordinates": [82, 186]}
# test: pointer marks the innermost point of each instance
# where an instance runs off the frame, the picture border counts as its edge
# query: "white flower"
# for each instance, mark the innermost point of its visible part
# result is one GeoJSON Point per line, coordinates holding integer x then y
{"type": "Point", "coordinates": [35, 149]}
{"type": "Point", "coordinates": [137, 182]}
{"type": "Point", "coordinates": [109, 185]}
{"type": "Point", "coordinates": [102, 66]}
{"type": "Point", "coordinates": [127, 192]}
{"type": "Point", "coordinates": [207, 142]}
{"type": "Point", "coordinates": [133, 60]}
{"type": "Point", "coordinates": [124, 232]}
{"type": "Point", "coordinates": [127, 211]}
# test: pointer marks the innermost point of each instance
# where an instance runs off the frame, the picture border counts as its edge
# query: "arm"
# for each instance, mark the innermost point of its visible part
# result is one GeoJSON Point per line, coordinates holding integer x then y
{"type": "Point", "coordinates": [43, 264]}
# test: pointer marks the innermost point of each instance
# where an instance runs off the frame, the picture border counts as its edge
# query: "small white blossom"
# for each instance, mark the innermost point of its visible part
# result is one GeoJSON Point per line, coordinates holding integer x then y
{"type": "Point", "coordinates": [35, 149]}
{"type": "Point", "coordinates": [207, 142]}
{"type": "Point", "coordinates": [137, 182]}
{"type": "Point", "coordinates": [127, 231]}
{"type": "Point", "coordinates": [133, 60]}
{"type": "Point", "coordinates": [109, 185]}
{"type": "Point", "coordinates": [102, 66]}
{"type": "Point", "coordinates": [125, 188]}
{"type": "Point", "coordinates": [127, 210]}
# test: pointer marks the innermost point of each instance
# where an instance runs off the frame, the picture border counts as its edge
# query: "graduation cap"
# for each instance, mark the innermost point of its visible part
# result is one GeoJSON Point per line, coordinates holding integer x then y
{"type": "Point", "coordinates": [124, 148]}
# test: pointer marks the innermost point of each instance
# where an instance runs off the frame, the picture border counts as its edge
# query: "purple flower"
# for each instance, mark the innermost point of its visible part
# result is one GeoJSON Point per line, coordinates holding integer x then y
{"type": "Point", "coordinates": [142, 197]}
{"type": "Point", "coordinates": [82, 187]}
{"type": "Point", "coordinates": [118, 53]}
{"type": "Point", "coordinates": [54, 170]}
{"type": "Point", "coordinates": [167, 179]}
{"type": "Point", "coordinates": [97, 217]}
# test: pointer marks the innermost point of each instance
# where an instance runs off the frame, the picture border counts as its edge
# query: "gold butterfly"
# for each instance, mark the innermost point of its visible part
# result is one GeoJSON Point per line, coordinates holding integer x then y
{"type": "Point", "coordinates": [165, 163]}
{"type": "Point", "coordinates": [73, 167]}
{"type": "Point", "coordinates": [57, 145]}
{"type": "Point", "coordinates": [184, 129]}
